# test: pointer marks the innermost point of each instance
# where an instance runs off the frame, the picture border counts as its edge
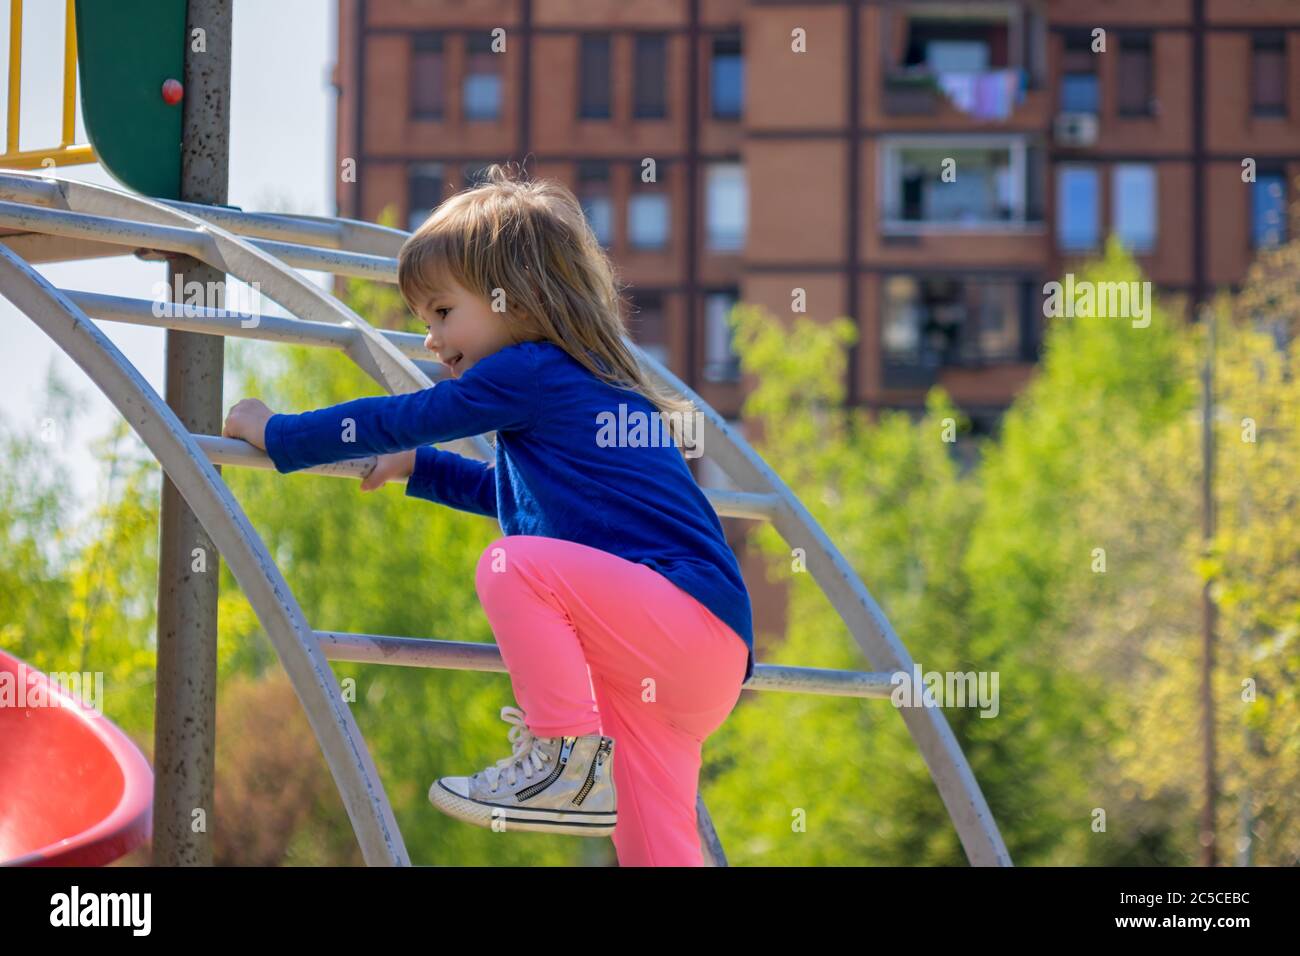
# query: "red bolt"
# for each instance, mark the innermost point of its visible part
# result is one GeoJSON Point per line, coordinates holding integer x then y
{"type": "Point", "coordinates": [172, 91]}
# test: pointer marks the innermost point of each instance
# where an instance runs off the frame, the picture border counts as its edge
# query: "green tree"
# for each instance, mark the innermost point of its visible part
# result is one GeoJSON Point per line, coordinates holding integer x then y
{"type": "Point", "coordinates": [1068, 561]}
{"type": "Point", "coordinates": [1051, 549]}
{"type": "Point", "coordinates": [841, 780]}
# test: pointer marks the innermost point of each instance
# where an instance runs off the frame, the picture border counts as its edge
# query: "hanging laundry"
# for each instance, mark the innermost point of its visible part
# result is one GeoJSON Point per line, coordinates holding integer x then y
{"type": "Point", "coordinates": [989, 94]}
{"type": "Point", "coordinates": [960, 88]}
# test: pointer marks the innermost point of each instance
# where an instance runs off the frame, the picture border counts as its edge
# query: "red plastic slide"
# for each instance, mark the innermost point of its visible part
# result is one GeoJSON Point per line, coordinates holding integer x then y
{"type": "Point", "coordinates": [74, 789]}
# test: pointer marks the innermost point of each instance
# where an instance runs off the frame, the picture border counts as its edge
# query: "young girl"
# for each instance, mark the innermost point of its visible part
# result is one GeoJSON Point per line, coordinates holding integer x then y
{"type": "Point", "coordinates": [619, 609]}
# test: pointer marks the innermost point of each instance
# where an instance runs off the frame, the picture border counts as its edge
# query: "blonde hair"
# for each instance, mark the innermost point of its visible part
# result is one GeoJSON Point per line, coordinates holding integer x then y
{"type": "Point", "coordinates": [531, 240]}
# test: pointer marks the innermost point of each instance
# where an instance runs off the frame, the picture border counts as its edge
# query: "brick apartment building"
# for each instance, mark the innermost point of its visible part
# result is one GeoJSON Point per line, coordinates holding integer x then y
{"type": "Point", "coordinates": [821, 170]}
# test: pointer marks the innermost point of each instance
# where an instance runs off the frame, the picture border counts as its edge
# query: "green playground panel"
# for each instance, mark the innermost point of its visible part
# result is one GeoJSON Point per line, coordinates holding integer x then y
{"type": "Point", "coordinates": [126, 49]}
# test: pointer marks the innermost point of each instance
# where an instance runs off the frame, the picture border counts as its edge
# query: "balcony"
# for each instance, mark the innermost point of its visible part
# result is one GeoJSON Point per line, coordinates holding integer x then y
{"type": "Point", "coordinates": [932, 323]}
{"type": "Point", "coordinates": [912, 93]}
{"type": "Point", "coordinates": [958, 183]}
{"type": "Point", "coordinates": [980, 94]}
{"type": "Point", "coordinates": [977, 60]}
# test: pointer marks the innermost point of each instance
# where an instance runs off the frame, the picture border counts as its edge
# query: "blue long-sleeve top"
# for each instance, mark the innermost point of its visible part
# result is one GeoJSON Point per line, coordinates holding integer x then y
{"type": "Point", "coordinates": [556, 472]}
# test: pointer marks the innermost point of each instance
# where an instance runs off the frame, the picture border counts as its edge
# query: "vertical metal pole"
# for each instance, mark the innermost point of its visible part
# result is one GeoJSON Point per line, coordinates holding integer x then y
{"type": "Point", "coordinates": [1246, 841]}
{"type": "Point", "coordinates": [188, 563]}
{"type": "Point", "coordinates": [1209, 852]}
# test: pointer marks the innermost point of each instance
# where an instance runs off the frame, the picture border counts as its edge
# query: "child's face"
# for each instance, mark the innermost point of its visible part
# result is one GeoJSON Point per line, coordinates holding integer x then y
{"type": "Point", "coordinates": [462, 328]}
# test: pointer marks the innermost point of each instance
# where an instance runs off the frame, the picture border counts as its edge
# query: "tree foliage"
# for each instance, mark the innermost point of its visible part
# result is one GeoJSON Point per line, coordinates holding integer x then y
{"type": "Point", "coordinates": [1068, 561]}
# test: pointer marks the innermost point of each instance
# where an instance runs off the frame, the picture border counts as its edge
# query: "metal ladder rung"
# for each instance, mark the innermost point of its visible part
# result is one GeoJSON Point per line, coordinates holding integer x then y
{"type": "Point", "coordinates": [240, 454]}
{"type": "Point", "coordinates": [474, 656]}
{"type": "Point", "coordinates": [733, 504]}
{"type": "Point", "coordinates": [249, 325]}
{"type": "Point", "coordinates": [139, 234]}
{"type": "Point", "coordinates": [331, 232]}
{"type": "Point", "coordinates": [246, 325]}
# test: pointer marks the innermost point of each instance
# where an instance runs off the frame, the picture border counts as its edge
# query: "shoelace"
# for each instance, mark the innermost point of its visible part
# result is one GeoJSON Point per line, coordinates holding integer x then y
{"type": "Point", "coordinates": [525, 753]}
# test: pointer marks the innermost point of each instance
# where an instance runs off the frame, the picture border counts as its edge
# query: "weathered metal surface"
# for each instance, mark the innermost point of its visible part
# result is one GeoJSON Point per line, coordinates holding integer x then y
{"type": "Point", "coordinates": [185, 707]}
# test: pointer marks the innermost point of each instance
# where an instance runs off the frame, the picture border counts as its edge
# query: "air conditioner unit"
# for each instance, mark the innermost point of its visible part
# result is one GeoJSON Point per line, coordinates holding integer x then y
{"type": "Point", "coordinates": [1076, 129]}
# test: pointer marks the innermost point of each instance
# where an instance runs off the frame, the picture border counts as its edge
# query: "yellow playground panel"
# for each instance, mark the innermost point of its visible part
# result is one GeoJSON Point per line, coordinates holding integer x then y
{"type": "Point", "coordinates": [67, 153]}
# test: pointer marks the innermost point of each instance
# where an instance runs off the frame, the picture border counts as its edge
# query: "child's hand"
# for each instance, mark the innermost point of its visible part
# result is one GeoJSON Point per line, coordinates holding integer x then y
{"type": "Point", "coordinates": [247, 420]}
{"type": "Point", "coordinates": [398, 465]}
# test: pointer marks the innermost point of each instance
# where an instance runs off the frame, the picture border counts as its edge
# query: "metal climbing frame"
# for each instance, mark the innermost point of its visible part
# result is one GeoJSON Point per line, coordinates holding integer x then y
{"type": "Point", "coordinates": [43, 220]}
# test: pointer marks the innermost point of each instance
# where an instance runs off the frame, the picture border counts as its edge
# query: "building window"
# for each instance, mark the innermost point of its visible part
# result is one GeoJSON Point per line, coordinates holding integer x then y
{"type": "Point", "coordinates": [1135, 75]}
{"type": "Point", "coordinates": [935, 321]}
{"type": "Point", "coordinates": [963, 42]}
{"type": "Point", "coordinates": [1268, 74]}
{"type": "Point", "coordinates": [593, 77]}
{"type": "Point", "coordinates": [727, 77]}
{"type": "Point", "coordinates": [1268, 210]}
{"type": "Point", "coordinates": [989, 185]}
{"type": "Point", "coordinates": [648, 216]}
{"type": "Point", "coordinates": [1078, 223]}
{"type": "Point", "coordinates": [428, 78]}
{"type": "Point", "coordinates": [1133, 205]}
{"type": "Point", "coordinates": [423, 193]}
{"type": "Point", "coordinates": [900, 329]}
{"type": "Point", "coordinates": [649, 326]}
{"type": "Point", "coordinates": [597, 204]}
{"type": "Point", "coordinates": [1079, 91]}
{"type": "Point", "coordinates": [956, 56]}
{"type": "Point", "coordinates": [726, 207]}
{"type": "Point", "coordinates": [721, 363]}
{"type": "Point", "coordinates": [650, 72]}
{"type": "Point", "coordinates": [481, 91]}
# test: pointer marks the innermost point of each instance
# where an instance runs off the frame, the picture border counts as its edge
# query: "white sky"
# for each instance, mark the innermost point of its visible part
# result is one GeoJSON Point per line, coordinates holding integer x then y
{"type": "Point", "coordinates": [281, 158]}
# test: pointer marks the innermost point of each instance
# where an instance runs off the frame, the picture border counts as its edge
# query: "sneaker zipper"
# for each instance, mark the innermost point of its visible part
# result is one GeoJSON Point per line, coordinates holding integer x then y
{"type": "Point", "coordinates": [558, 769]}
{"type": "Point", "coordinates": [593, 772]}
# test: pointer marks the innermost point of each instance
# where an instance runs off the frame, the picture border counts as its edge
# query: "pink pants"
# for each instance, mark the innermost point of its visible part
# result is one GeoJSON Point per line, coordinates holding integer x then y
{"type": "Point", "coordinates": [596, 643]}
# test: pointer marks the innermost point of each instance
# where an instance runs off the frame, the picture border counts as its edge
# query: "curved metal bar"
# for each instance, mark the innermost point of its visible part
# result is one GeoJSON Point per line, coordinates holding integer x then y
{"type": "Point", "coordinates": [344, 748]}
{"type": "Point", "coordinates": [359, 782]}
{"type": "Point", "coordinates": [948, 767]}
{"type": "Point", "coordinates": [357, 265]}
{"type": "Point", "coordinates": [709, 842]}
{"type": "Point", "coordinates": [354, 235]}
{"type": "Point", "coordinates": [871, 629]}
{"type": "Point", "coordinates": [206, 494]}
{"type": "Point", "coordinates": [335, 233]}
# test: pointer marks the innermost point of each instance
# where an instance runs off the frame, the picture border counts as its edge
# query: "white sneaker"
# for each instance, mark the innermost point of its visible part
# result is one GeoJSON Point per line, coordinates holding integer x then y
{"type": "Point", "coordinates": [547, 785]}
